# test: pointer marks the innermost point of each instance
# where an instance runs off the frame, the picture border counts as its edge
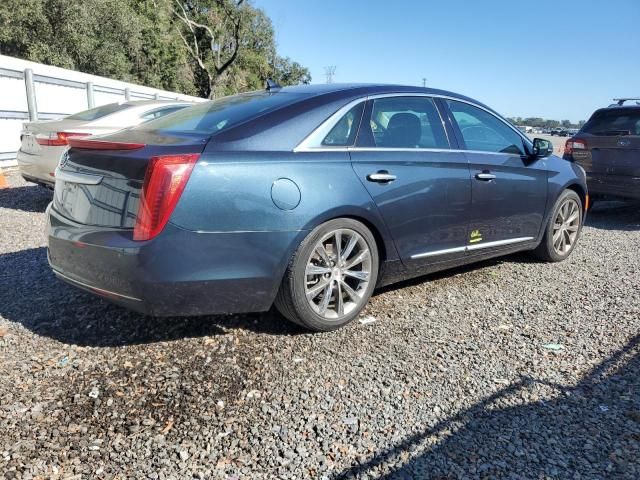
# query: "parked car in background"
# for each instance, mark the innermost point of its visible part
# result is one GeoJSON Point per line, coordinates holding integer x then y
{"type": "Point", "coordinates": [43, 142]}
{"type": "Point", "coordinates": [307, 196]}
{"type": "Point", "coordinates": [560, 132]}
{"type": "Point", "coordinates": [608, 148]}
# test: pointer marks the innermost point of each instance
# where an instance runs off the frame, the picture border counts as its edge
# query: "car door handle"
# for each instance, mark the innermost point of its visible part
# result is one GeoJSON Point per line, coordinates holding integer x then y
{"type": "Point", "coordinates": [381, 177]}
{"type": "Point", "coordinates": [485, 176]}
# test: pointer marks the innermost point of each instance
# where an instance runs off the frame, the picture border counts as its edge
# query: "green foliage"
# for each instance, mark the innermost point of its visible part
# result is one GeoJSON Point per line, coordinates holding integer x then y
{"type": "Point", "coordinates": [143, 41]}
{"type": "Point", "coordinates": [288, 72]}
{"type": "Point", "coordinates": [537, 122]}
{"type": "Point", "coordinates": [232, 46]}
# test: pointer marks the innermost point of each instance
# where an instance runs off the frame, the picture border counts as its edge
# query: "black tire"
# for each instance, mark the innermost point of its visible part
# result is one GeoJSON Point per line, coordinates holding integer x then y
{"type": "Point", "coordinates": [546, 251]}
{"type": "Point", "coordinates": [291, 300]}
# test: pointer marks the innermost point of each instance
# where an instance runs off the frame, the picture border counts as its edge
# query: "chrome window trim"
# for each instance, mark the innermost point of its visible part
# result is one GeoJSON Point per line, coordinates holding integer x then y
{"type": "Point", "coordinates": [313, 142]}
{"type": "Point", "coordinates": [383, 149]}
{"type": "Point", "coordinates": [470, 248]}
{"type": "Point", "coordinates": [473, 104]}
{"type": "Point", "coordinates": [74, 177]}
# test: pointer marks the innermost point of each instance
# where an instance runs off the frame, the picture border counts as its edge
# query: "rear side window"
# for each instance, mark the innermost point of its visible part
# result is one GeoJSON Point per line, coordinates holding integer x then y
{"type": "Point", "coordinates": [406, 122]}
{"type": "Point", "coordinates": [343, 134]}
{"type": "Point", "coordinates": [614, 122]}
{"type": "Point", "coordinates": [483, 131]}
{"type": "Point", "coordinates": [99, 112]}
{"type": "Point", "coordinates": [212, 117]}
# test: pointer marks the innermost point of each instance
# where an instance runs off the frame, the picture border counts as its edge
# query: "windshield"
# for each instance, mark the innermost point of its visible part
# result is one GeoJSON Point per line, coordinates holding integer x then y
{"type": "Point", "coordinates": [99, 112]}
{"type": "Point", "coordinates": [614, 122]}
{"type": "Point", "coordinates": [212, 117]}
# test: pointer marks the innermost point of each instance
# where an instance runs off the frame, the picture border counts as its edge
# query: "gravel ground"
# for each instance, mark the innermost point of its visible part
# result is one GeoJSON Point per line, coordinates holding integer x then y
{"type": "Point", "coordinates": [506, 369]}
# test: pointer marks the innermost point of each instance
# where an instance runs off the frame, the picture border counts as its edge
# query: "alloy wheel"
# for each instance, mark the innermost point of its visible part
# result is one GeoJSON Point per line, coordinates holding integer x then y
{"type": "Point", "coordinates": [566, 226]}
{"type": "Point", "coordinates": [337, 274]}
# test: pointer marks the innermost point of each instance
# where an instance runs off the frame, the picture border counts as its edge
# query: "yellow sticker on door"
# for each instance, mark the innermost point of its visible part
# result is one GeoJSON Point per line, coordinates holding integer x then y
{"type": "Point", "coordinates": [476, 237]}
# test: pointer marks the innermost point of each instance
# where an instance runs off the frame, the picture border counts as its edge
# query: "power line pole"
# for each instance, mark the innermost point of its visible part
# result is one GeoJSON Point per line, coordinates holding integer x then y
{"type": "Point", "coordinates": [330, 72]}
{"type": "Point", "coordinates": [424, 82]}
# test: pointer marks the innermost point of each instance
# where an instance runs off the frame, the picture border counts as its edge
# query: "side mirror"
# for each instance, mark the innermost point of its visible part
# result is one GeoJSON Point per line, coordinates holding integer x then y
{"type": "Point", "coordinates": [541, 148]}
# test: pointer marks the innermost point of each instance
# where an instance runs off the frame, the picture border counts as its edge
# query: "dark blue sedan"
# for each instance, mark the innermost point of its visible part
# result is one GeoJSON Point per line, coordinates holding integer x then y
{"type": "Point", "coordinates": [307, 197]}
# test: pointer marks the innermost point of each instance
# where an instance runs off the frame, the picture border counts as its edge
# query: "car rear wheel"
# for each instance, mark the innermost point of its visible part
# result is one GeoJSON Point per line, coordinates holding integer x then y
{"type": "Point", "coordinates": [330, 277]}
{"type": "Point", "coordinates": [563, 228]}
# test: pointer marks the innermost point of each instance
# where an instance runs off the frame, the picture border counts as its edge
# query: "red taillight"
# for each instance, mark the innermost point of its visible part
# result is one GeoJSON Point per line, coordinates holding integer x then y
{"type": "Point", "coordinates": [573, 145]}
{"type": "Point", "coordinates": [58, 139]}
{"type": "Point", "coordinates": [164, 182]}
{"type": "Point", "coordinates": [103, 145]}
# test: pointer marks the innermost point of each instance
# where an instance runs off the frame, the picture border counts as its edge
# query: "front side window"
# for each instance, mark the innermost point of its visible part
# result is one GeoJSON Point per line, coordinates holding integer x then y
{"type": "Point", "coordinates": [483, 131]}
{"type": "Point", "coordinates": [407, 122]}
{"type": "Point", "coordinates": [343, 134]}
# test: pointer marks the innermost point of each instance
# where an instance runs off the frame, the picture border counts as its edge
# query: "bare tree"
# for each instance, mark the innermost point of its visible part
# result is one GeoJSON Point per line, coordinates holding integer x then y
{"type": "Point", "coordinates": [222, 49]}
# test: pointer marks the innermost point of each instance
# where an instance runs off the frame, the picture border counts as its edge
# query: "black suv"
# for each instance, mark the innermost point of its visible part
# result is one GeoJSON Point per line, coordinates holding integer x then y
{"type": "Point", "coordinates": [608, 148]}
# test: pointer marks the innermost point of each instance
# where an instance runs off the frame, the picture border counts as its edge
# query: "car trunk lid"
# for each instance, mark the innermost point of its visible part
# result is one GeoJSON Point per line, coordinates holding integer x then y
{"type": "Point", "coordinates": [100, 179]}
{"type": "Point", "coordinates": [611, 154]}
{"type": "Point", "coordinates": [31, 131]}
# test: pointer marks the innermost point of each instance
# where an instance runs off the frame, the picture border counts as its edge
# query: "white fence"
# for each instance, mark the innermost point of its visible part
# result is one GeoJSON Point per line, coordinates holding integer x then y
{"type": "Point", "coordinates": [30, 91]}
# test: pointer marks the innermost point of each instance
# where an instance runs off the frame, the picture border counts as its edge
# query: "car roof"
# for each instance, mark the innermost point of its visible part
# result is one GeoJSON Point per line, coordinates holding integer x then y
{"type": "Point", "coordinates": [366, 89]}
{"type": "Point", "coordinates": [621, 107]}
{"type": "Point", "coordinates": [617, 108]}
{"type": "Point", "coordinates": [372, 88]}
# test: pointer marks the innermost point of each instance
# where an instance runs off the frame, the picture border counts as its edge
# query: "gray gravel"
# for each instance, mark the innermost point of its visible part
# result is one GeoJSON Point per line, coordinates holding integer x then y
{"type": "Point", "coordinates": [507, 369]}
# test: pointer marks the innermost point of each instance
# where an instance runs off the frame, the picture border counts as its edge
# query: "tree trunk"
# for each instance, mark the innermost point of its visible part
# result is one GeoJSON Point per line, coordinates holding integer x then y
{"type": "Point", "coordinates": [212, 88]}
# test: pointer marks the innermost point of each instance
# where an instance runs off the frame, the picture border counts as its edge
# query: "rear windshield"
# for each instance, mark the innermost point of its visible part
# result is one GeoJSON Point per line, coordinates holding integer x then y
{"type": "Point", "coordinates": [99, 112]}
{"type": "Point", "coordinates": [614, 122]}
{"type": "Point", "coordinates": [212, 117]}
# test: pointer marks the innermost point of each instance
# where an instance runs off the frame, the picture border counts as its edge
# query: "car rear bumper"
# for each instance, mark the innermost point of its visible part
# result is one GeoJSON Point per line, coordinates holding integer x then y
{"type": "Point", "coordinates": [180, 272]}
{"type": "Point", "coordinates": [39, 168]}
{"type": "Point", "coordinates": [613, 186]}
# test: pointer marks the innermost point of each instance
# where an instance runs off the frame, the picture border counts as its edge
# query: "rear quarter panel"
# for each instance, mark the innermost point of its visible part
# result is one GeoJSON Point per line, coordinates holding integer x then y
{"type": "Point", "coordinates": [232, 192]}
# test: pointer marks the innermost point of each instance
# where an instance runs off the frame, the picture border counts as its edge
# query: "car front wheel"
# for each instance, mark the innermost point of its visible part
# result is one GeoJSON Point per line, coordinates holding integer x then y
{"type": "Point", "coordinates": [331, 276]}
{"type": "Point", "coordinates": [563, 228]}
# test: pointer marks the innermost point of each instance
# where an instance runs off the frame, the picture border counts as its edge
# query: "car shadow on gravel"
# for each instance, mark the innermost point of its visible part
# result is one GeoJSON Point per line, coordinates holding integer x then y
{"type": "Point", "coordinates": [28, 199]}
{"type": "Point", "coordinates": [591, 430]}
{"type": "Point", "coordinates": [615, 215]}
{"type": "Point", "coordinates": [31, 295]}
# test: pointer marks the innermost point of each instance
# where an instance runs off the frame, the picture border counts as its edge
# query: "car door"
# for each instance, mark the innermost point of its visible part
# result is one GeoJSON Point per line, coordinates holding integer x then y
{"type": "Point", "coordinates": [508, 189]}
{"type": "Point", "coordinates": [421, 186]}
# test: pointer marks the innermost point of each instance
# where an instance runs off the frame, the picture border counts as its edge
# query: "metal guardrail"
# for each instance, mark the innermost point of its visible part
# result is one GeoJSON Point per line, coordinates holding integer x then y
{"type": "Point", "coordinates": [20, 115]}
{"type": "Point", "coordinates": [31, 79]}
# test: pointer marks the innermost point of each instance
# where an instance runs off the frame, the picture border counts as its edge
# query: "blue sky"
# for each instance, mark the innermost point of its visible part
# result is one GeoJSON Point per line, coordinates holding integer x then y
{"type": "Point", "coordinates": [557, 59]}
